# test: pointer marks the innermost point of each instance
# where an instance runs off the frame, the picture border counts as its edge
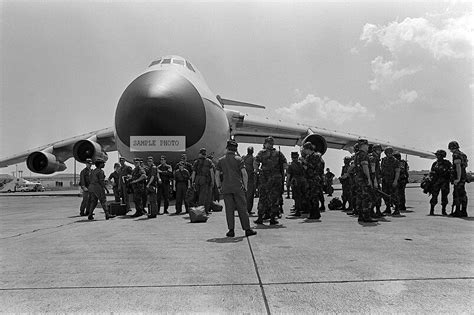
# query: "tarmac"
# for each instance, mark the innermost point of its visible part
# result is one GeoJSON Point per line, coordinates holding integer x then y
{"type": "Point", "coordinates": [53, 260]}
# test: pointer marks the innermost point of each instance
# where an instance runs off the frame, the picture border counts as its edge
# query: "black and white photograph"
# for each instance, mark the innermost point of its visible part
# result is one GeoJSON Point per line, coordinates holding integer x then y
{"type": "Point", "coordinates": [236, 157]}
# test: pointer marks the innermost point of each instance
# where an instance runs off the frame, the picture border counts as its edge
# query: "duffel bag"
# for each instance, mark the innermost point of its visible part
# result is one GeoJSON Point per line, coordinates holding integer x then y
{"type": "Point", "coordinates": [197, 214]}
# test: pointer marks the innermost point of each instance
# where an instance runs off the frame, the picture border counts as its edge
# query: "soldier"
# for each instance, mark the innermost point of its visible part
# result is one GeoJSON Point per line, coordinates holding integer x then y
{"type": "Point", "coordinates": [363, 181]}
{"type": "Point", "coordinates": [402, 181]}
{"type": "Point", "coordinates": [375, 174]}
{"type": "Point", "coordinates": [273, 165]}
{"type": "Point", "coordinates": [346, 184]}
{"type": "Point", "coordinates": [328, 178]}
{"type": "Point", "coordinates": [202, 179]}
{"type": "Point", "coordinates": [250, 193]}
{"type": "Point", "coordinates": [233, 187]}
{"type": "Point", "coordinates": [295, 177]}
{"type": "Point", "coordinates": [152, 182]}
{"type": "Point", "coordinates": [114, 178]}
{"type": "Point", "coordinates": [313, 166]}
{"type": "Point", "coordinates": [390, 169]}
{"type": "Point", "coordinates": [136, 180]}
{"type": "Point", "coordinates": [352, 172]}
{"type": "Point", "coordinates": [145, 193]}
{"type": "Point", "coordinates": [97, 190]}
{"type": "Point", "coordinates": [165, 171]}
{"type": "Point", "coordinates": [84, 182]}
{"type": "Point", "coordinates": [459, 180]}
{"type": "Point", "coordinates": [182, 180]}
{"type": "Point", "coordinates": [440, 175]}
{"type": "Point", "coordinates": [124, 186]}
{"type": "Point", "coordinates": [187, 165]}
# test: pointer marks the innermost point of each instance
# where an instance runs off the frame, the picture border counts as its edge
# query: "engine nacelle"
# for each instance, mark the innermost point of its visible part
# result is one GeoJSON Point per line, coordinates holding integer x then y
{"type": "Point", "coordinates": [318, 141]}
{"type": "Point", "coordinates": [44, 163]}
{"type": "Point", "coordinates": [88, 149]}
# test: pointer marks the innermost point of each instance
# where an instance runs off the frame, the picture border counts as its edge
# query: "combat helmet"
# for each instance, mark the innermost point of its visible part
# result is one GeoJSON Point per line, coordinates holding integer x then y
{"type": "Point", "coordinates": [453, 145]}
{"type": "Point", "coordinates": [441, 153]}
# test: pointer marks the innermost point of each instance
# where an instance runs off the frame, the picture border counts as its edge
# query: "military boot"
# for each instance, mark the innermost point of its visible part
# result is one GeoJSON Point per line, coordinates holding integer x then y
{"type": "Point", "coordinates": [273, 221]}
{"type": "Point", "coordinates": [463, 213]}
{"type": "Point", "coordinates": [378, 214]}
{"type": "Point", "coordinates": [396, 212]}
{"type": "Point", "coordinates": [366, 218]}
{"type": "Point", "coordinates": [457, 211]}
{"type": "Point", "coordinates": [259, 219]}
{"type": "Point", "coordinates": [432, 209]}
{"type": "Point", "coordinates": [443, 210]}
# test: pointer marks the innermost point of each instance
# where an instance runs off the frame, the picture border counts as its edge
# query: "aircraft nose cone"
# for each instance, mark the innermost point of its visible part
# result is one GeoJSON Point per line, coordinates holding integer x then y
{"type": "Point", "coordinates": [160, 103]}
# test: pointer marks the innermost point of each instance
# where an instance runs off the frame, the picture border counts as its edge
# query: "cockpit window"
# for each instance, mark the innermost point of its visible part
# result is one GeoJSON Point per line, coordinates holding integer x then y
{"type": "Point", "coordinates": [155, 62]}
{"type": "Point", "coordinates": [178, 62]}
{"type": "Point", "coordinates": [190, 67]}
{"type": "Point", "coordinates": [168, 60]}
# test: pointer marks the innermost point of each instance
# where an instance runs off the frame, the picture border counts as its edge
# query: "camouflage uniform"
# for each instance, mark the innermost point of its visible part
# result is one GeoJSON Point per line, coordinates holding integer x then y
{"type": "Point", "coordinates": [203, 181]}
{"type": "Point", "coordinates": [375, 174]}
{"type": "Point", "coordinates": [363, 190]}
{"type": "Point", "coordinates": [138, 190]}
{"type": "Point", "coordinates": [345, 181]}
{"type": "Point", "coordinates": [298, 184]}
{"type": "Point", "coordinates": [84, 182]}
{"type": "Point", "coordinates": [271, 178]}
{"type": "Point", "coordinates": [459, 189]}
{"type": "Point", "coordinates": [250, 193]}
{"type": "Point", "coordinates": [97, 190]}
{"type": "Point", "coordinates": [440, 175]}
{"type": "Point", "coordinates": [402, 183]}
{"type": "Point", "coordinates": [166, 175]}
{"type": "Point", "coordinates": [181, 178]}
{"type": "Point", "coordinates": [152, 194]}
{"type": "Point", "coordinates": [389, 167]}
{"type": "Point", "coordinates": [124, 187]}
{"type": "Point", "coordinates": [313, 165]}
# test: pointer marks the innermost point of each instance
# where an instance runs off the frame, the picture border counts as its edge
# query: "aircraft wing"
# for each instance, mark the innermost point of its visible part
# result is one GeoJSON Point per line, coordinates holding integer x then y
{"type": "Point", "coordinates": [255, 129]}
{"type": "Point", "coordinates": [64, 149]}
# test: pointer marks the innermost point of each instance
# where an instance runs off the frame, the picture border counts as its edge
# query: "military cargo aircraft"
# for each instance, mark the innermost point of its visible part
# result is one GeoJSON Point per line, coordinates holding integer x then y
{"type": "Point", "coordinates": [169, 109]}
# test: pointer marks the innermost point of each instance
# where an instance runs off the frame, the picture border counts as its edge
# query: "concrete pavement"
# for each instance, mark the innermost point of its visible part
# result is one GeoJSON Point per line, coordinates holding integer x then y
{"type": "Point", "coordinates": [55, 261]}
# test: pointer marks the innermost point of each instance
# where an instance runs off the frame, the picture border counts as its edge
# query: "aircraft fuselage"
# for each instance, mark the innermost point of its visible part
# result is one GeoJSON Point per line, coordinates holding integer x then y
{"type": "Point", "coordinates": [167, 104]}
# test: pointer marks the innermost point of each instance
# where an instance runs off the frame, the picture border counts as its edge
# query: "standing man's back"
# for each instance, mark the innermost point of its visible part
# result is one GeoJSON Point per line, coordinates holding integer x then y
{"type": "Point", "coordinates": [233, 188]}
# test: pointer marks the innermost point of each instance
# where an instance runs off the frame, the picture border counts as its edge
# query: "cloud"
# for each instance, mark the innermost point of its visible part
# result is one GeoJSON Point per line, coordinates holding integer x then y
{"type": "Point", "coordinates": [441, 37]}
{"type": "Point", "coordinates": [405, 97]}
{"type": "Point", "coordinates": [316, 108]}
{"type": "Point", "coordinates": [418, 54]}
{"type": "Point", "coordinates": [385, 73]}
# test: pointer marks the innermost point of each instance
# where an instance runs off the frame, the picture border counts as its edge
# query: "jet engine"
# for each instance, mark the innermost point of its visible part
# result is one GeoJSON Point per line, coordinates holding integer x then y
{"type": "Point", "coordinates": [44, 163]}
{"type": "Point", "coordinates": [318, 141]}
{"type": "Point", "coordinates": [88, 149]}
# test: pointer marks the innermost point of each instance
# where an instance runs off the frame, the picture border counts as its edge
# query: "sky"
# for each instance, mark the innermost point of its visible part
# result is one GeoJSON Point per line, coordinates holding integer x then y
{"type": "Point", "coordinates": [400, 71]}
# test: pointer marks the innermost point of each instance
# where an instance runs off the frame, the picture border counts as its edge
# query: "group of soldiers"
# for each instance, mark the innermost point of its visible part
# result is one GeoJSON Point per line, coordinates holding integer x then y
{"type": "Point", "coordinates": [366, 179]}
{"type": "Point", "coordinates": [442, 173]}
{"type": "Point", "coordinates": [149, 184]}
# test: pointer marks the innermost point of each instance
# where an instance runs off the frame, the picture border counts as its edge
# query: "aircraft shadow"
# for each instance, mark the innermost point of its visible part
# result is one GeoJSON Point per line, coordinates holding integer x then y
{"type": "Point", "coordinates": [222, 240]}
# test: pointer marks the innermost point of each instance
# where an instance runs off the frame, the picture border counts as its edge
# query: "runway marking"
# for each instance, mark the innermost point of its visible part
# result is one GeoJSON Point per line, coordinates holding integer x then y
{"type": "Point", "coordinates": [267, 307]}
{"type": "Point", "coordinates": [260, 284]}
